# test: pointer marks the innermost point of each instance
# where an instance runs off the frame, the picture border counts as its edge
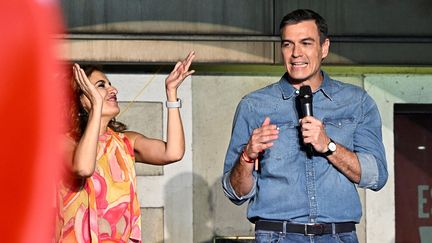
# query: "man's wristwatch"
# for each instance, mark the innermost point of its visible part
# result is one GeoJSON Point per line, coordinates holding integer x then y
{"type": "Point", "coordinates": [331, 147]}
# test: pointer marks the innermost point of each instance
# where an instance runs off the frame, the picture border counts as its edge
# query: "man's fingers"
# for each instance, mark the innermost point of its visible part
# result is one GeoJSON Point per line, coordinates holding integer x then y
{"type": "Point", "coordinates": [254, 150]}
{"type": "Point", "coordinates": [267, 145]}
{"type": "Point", "coordinates": [266, 122]}
{"type": "Point", "coordinates": [262, 140]}
{"type": "Point", "coordinates": [269, 138]}
{"type": "Point", "coordinates": [263, 137]}
{"type": "Point", "coordinates": [271, 127]}
{"type": "Point", "coordinates": [268, 130]}
{"type": "Point", "coordinates": [265, 126]}
{"type": "Point", "coordinates": [268, 133]}
{"type": "Point", "coordinates": [262, 147]}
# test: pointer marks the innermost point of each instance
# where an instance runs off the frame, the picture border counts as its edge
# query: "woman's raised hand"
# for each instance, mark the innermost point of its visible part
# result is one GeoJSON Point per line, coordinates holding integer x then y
{"type": "Point", "coordinates": [179, 73]}
{"type": "Point", "coordinates": [86, 86]}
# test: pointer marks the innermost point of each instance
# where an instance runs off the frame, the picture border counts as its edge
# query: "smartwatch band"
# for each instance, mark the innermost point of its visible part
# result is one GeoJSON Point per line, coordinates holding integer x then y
{"type": "Point", "coordinates": [174, 104]}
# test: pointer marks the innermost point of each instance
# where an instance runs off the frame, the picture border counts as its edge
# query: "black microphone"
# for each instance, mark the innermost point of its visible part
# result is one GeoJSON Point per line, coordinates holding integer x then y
{"type": "Point", "coordinates": [306, 100]}
{"type": "Point", "coordinates": [305, 97]}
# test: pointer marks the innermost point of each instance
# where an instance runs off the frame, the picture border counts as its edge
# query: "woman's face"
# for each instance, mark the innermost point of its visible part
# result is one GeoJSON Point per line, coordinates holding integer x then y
{"type": "Point", "coordinates": [109, 94]}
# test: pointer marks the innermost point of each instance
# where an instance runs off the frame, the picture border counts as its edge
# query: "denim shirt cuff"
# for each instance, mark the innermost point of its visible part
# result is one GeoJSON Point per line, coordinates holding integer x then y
{"type": "Point", "coordinates": [369, 171]}
{"type": "Point", "coordinates": [230, 192]}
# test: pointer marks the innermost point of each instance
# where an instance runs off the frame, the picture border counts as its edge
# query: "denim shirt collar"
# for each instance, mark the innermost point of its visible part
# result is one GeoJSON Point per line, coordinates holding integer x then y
{"type": "Point", "coordinates": [288, 90]}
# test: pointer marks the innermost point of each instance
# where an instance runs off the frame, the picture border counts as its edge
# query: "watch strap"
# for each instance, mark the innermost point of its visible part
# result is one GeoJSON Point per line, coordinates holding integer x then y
{"type": "Point", "coordinates": [173, 104]}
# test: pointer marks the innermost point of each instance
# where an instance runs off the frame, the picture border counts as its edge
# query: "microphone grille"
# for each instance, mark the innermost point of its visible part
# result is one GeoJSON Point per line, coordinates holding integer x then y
{"type": "Point", "coordinates": [305, 91]}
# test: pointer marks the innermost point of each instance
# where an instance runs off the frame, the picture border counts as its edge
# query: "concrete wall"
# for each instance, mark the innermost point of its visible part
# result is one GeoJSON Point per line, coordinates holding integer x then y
{"type": "Point", "coordinates": [214, 102]}
{"type": "Point", "coordinates": [388, 90]}
{"type": "Point", "coordinates": [165, 193]}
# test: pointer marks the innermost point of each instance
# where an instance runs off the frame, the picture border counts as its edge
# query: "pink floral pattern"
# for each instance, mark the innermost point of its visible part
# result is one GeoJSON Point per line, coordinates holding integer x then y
{"type": "Point", "coordinates": [103, 207]}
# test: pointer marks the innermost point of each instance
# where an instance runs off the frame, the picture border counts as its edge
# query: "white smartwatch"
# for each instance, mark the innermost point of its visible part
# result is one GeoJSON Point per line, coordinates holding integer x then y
{"type": "Point", "coordinates": [175, 104]}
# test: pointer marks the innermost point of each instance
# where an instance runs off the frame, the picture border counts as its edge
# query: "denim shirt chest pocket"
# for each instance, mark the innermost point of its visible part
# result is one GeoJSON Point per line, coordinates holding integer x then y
{"type": "Point", "coordinates": [341, 130]}
{"type": "Point", "coordinates": [288, 142]}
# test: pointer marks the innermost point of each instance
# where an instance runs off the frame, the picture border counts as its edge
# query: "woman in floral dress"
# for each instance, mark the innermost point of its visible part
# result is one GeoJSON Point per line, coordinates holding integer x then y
{"type": "Point", "coordinates": [97, 195]}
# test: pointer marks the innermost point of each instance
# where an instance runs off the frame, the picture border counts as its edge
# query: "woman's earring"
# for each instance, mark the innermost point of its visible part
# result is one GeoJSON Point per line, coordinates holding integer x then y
{"type": "Point", "coordinates": [83, 114]}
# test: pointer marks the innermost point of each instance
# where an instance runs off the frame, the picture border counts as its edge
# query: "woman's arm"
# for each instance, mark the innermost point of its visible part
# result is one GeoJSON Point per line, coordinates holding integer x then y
{"type": "Point", "coordinates": [154, 151]}
{"type": "Point", "coordinates": [84, 155]}
{"type": "Point", "coordinates": [84, 159]}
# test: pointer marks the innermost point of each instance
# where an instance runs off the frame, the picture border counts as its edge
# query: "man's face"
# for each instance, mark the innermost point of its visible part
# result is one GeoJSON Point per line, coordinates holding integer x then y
{"type": "Point", "coordinates": [302, 52]}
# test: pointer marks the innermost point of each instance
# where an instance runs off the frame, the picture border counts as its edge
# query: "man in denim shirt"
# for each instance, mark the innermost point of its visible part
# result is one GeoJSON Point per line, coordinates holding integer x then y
{"type": "Point", "coordinates": [295, 196]}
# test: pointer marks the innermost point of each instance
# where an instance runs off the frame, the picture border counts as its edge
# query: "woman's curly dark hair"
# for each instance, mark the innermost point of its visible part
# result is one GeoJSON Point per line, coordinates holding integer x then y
{"type": "Point", "coordinates": [78, 115]}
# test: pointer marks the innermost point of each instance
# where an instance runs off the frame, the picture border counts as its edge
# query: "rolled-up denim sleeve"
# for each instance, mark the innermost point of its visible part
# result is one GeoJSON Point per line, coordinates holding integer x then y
{"type": "Point", "coordinates": [369, 147]}
{"type": "Point", "coordinates": [369, 171]}
{"type": "Point", "coordinates": [231, 194]}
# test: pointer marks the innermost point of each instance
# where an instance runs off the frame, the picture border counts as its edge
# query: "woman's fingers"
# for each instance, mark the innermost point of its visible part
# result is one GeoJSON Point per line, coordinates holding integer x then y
{"type": "Point", "coordinates": [188, 60]}
{"type": "Point", "coordinates": [88, 89]}
{"type": "Point", "coordinates": [179, 73]}
{"type": "Point", "coordinates": [185, 64]}
{"type": "Point", "coordinates": [81, 76]}
{"type": "Point", "coordinates": [78, 74]}
{"type": "Point", "coordinates": [178, 64]}
{"type": "Point", "coordinates": [75, 73]}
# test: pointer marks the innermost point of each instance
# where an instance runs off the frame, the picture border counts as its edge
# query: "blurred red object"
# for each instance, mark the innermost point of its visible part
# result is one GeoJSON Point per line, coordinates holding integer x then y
{"type": "Point", "coordinates": [30, 95]}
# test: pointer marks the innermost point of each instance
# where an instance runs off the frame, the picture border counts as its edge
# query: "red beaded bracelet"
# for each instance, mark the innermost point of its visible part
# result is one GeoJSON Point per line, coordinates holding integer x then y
{"type": "Point", "coordinates": [246, 158]}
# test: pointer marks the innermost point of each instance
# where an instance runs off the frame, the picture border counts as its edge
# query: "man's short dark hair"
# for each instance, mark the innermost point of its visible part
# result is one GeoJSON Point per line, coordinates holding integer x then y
{"type": "Point", "coordinates": [301, 15]}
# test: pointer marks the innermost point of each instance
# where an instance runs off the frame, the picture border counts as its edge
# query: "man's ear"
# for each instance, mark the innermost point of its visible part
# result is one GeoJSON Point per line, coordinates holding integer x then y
{"type": "Point", "coordinates": [325, 48]}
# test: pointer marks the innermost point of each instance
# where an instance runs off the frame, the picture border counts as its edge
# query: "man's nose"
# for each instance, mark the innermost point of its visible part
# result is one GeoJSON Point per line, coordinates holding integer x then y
{"type": "Point", "coordinates": [296, 51]}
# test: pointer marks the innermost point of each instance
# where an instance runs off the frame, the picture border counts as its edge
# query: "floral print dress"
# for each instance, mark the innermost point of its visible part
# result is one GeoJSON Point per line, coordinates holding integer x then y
{"type": "Point", "coordinates": [103, 207]}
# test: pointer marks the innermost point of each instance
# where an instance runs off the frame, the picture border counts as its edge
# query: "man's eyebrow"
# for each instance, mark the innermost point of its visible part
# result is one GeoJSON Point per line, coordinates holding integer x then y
{"type": "Point", "coordinates": [308, 39]}
{"type": "Point", "coordinates": [304, 39]}
{"type": "Point", "coordinates": [290, 41]}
